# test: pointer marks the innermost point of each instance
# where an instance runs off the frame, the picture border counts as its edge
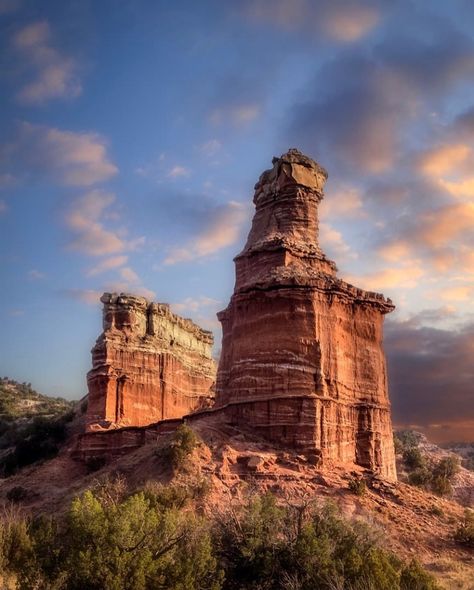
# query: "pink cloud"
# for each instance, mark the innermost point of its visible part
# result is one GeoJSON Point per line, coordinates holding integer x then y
{"type": "Point", "coordinates": [56, 75]}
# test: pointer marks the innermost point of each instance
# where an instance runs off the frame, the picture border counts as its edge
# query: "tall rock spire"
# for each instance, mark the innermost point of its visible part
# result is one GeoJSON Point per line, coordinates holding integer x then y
{"type": "Point", "coordinates": [302, 360]}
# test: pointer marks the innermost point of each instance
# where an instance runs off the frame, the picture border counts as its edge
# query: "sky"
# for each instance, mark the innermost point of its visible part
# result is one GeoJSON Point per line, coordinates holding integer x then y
{"type": "Point", "coordinates": [132, 133]}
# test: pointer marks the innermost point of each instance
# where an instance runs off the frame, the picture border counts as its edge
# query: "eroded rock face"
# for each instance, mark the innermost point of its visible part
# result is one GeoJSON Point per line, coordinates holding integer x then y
{"type": "Point", "coordinates": [302, 359]}
{"type": "Point", "coordinates": [148, 365]}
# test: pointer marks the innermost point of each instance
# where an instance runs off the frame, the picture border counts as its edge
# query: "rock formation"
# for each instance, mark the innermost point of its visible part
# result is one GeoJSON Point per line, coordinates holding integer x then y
{"type": "Point", "coordinates": [302, 360]}
{"type": "Point", "coordinates": [148, 365]}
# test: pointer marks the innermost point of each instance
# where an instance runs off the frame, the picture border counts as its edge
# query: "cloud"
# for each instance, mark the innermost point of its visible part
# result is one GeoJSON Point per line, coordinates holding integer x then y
{"type": "Point", "coordinates": [7, 6]}
{"type": "Point", "coordinates": [178, 172]}
{"type": "Point", "coordinates": [84, 219]}
{"type": "Point", "coordinates": [87, 296]}
{"type": "Point", "coordinates": [210, 148]}
{"type": "Point", "coordinates": [106, 265]}
{"type": "Point", "coordinates": [450, 165]}
{"type": "Point", "coordinates": [343, 21]}
{"type": "Point", "coordinates": [237, 114]}
{"type": "Point", "coordinates": [441, 226]}
{"type": "Point", "coordinates": [3, 207]}
{"type": "Point", "coordinates": [195, 304]}
{"type": "Point", "coordinates": [343, 202]}
{"type": "Point", "coordinates": [402, 277]}
{"type": "Point", "coordinates": [364, 104]}
{"type": "Point", "coordinates": [36, 275]}
{"type": "Point", "coordinates": [442, 236]}
{"type": "Point", "coordinates": [349, 23]}
{"type": "Point", "coordinates": [221, 229]}
{"type": "Point", "coordinates": [460, 293]}
{"type": "Point", "coordinates": [71, 158]}
{"type": "Point", "coordinates": [333, 242]}
{"type": "Point", "coordinates": [203, 310]}
{"type": "Point", "coordinates": [56, 75]}
{"type": "Point", "coordinates": [442, 160]}
{"type": "Point", "coordinates": [430, 372]}
{"type": "Point", "coordinates": [395, 251]}
{"type": "Point", "coordinates": [126, 287]}
{"type": "Point", "coordinates": [129, 275]}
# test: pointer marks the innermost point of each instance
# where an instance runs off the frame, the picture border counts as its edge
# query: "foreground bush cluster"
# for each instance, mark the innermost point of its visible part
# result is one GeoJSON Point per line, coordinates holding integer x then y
{"type": "Point", "coordinates": [158, 539]}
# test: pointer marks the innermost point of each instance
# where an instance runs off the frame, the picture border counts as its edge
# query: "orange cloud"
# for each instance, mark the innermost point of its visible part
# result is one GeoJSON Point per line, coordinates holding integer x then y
{"type": "Point", "coordinates": [444, 159]}
{"type": "Point", "coordinates": [344, 202]}
{"type": "Point", "coordinates": [395, 251]}
{"type": "Point", "coordinates": [460, 293]}
{"type": "Point", "coordinates": [405, 277]}
{"type": "Point", "coordinates": [349, 23]}
{"type": "Point", "coordinates": [443, 225]}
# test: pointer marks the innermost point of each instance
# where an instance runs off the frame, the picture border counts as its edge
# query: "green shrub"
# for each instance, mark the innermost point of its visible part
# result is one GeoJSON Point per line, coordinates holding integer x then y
{"type": "Point", "coordinates": [39, 440]}
{"type": "Point", "coordinates": [113, 540]}
{"type": "Point", "coordinates": [357, 486]}
{"type": "Point", "coordinates": [447, 468]}
{"type": "Point", "coordinates": [405, 439]}
{"type": "Point", "coordinates": [465, 532]}
{"type": "Point", "coordinates": [420, 477]}
{"type": "Point", "coordinates": [414, 577]}
{"type": "Point", "coordinates": [182, 444]}
{"type": "Point", "coordinates": [413, 458]}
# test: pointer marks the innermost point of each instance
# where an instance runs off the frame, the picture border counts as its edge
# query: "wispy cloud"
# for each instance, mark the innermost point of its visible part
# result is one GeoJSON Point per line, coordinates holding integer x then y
{"type": "Point", "coordinates": [85, 219]}
{"type": "Point", "coordinates": [221, 230]}
{"type": "Point", "coordinates": [55, 75]}
{"type": "Point", "coordinates": [202, 309]}
{"type": "Point", "coordinates": [195, 304]}
{"type": "Point", "coordinates": [87, 296]}
{"type": "Point", "coordinates": [106, 265]}
{"type": "Point", "coordinates": [210, 148]}
{"type": "Point", "coordinates": [69, 157]}
{"type": "Point", "coordinates": [344, 21]}
{"type": "Point", "coordinates": [334, 244]}
{"type": "Point", "coordinates": [3, 207]}
{"type": "Point", "coordinates": [237, 114]}
{"type": "Point", "coordinates": [36, 275]}
{"type": "Point", "coordinates": [178, 172]}
{"type": "Point", "coordinates": [406, 276]}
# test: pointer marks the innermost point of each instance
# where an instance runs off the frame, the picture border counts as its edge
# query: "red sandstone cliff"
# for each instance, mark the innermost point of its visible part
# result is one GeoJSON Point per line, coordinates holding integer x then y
{"type": "Point", "coordinates": [302, 360]}
{"type": "Point", "coordinates": [148, 365]}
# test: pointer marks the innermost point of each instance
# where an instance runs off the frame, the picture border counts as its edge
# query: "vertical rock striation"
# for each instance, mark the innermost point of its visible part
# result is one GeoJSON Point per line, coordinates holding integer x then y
{"type": "Point", "coordinates": [148, 365]}
{"type": "Point", "coordinates": [302, 359]}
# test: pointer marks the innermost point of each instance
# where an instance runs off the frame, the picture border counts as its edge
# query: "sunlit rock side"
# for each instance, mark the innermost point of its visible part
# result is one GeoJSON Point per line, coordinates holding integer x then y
{"type": "Point", "coordinates": [302, 360]}
{"type": "Point", "coordinates": [148, 365]}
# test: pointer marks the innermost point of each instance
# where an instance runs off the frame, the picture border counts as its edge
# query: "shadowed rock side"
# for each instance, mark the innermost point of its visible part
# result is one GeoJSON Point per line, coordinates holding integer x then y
{"type": "Point", "coordinates": [302, 360]}
{"type": "Point", "coordinates": [148, 365]}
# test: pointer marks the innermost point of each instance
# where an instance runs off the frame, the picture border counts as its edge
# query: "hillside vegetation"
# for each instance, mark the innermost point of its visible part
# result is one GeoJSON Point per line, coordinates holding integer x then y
{"type": "Point", "coordinates": [159, 537]}
{"type": "Point", "coordinates": [32, 425]}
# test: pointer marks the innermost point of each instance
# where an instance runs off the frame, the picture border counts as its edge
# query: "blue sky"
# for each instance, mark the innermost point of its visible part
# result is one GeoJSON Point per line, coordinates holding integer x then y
{"type": "Point", "coordinates": [132, 133]}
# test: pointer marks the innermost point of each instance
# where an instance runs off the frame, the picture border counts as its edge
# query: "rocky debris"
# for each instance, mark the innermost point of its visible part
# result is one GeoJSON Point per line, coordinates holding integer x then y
{"type": "Point", "coordinates": [302, 361]}
{"type": "Point", "coordinates": [148, 365]}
